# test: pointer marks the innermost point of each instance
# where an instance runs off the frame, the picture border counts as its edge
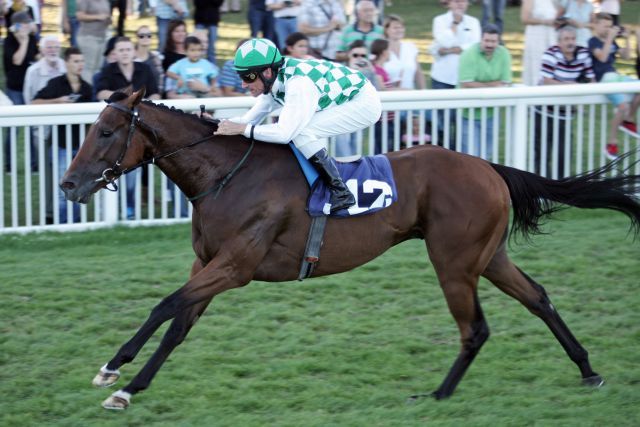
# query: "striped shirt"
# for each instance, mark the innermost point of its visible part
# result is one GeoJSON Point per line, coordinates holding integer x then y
{"type": "Point", "coordinates": [318, 13]}
{"type": "Point", "coordinates": [351, 33]}
{"type": "Point", "coordinates": [556, 66]}
{"type": "Point", "coordinates": [229, 78]}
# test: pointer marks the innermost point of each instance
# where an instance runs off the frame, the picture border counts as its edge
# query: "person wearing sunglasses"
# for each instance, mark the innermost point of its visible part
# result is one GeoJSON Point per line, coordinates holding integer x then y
{"type": "Point", "coordinates": [319, 99]}
{"type": "Point", "coordinates": [144, 53]}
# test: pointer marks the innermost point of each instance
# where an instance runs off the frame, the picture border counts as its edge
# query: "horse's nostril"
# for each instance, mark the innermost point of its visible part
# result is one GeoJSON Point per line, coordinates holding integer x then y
{"type": "Point", "coordinates": [67, 185]}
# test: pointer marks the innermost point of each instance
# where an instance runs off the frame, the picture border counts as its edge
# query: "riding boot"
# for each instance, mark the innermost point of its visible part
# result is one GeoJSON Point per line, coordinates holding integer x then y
{"type": "Point", "coordinates": [341, 197]}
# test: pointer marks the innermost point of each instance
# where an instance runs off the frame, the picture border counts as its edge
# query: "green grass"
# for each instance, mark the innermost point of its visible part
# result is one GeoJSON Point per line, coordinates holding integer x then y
{"type": "Point", "coordinates": [344, 350]}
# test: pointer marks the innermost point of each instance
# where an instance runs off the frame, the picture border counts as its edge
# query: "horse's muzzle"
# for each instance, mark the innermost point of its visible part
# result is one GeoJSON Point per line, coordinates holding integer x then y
{"type": "Point", "coordinates": [75, 192]}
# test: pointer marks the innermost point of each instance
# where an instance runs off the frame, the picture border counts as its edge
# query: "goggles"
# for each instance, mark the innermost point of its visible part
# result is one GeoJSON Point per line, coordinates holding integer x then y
{"type": "Point", "coordinates": [249, 77]}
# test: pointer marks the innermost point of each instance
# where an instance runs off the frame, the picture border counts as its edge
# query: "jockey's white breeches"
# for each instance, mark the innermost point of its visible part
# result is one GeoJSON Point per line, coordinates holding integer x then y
{"type": "Point", "coordinates": [359, 113]}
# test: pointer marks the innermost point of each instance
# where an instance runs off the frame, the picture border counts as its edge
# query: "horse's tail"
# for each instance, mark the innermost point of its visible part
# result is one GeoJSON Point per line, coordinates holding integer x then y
{"type": "Point", "coordinates": [534, 197]}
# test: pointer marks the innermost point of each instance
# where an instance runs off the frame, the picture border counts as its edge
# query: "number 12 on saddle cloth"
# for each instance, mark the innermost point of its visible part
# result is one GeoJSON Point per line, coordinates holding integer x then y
{"type": "Point", "coordinates": [369, 178]}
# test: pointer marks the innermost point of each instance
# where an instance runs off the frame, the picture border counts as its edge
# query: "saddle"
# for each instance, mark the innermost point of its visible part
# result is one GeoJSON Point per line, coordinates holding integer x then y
{"type": "Point", "coordinates": [370, 180]}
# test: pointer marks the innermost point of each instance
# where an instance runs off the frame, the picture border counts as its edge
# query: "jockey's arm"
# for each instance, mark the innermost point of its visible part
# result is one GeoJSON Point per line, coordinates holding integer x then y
{"type": "Point", "coordinates": [263, 106]}
{"type": "Point", "coordinates": [300, 104]}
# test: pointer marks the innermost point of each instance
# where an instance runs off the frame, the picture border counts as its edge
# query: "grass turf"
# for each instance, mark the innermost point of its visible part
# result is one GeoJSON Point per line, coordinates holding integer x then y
{"type": "Point", "coordinates": [342, 350]}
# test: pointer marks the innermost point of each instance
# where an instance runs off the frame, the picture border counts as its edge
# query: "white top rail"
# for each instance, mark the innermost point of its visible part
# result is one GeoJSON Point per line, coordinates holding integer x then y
{"type": "Point", "coordinates": [9, 113]}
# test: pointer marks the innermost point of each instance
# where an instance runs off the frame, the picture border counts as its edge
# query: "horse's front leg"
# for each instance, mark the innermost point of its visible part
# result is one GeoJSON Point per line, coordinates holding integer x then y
{"type": "Point", "coordinates": [109, 373]}
{"type": "Point", "coordinates": [174, 336]}
{"type": "Point", "coordinates": [231, 268]}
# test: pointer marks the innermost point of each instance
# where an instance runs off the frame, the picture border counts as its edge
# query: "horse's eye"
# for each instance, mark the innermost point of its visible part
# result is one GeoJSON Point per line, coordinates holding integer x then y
{"type": "Point", "coordinates": [107, 133]}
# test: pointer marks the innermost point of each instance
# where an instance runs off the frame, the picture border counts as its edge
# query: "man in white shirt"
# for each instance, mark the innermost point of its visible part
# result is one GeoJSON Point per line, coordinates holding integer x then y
{"type": "Point", "coordinates": [38, 74]}
{"type": "Point", "coordinates": [49, 66]}
{"type": "Point", "coordinates": [453, 32]}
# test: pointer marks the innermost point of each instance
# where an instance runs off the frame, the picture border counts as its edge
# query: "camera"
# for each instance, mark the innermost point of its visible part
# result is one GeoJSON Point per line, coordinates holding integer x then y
{"type": "Point", "coordinates": [582, 78]}
{"type": "Point", "coordinates": [288, 3]}
{"type": "Point", "coordinates": [561, 22]}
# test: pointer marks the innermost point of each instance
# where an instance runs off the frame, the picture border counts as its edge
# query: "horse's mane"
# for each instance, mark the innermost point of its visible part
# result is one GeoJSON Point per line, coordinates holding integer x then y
{"type": "Point", "coordinates": [179, 112]}
{"type": "Point", "coordinates": [119, 96]}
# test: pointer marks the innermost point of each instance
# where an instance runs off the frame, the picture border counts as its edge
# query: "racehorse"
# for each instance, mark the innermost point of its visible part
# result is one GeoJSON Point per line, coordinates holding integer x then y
{"type": "Point", "coordinates": [249, 222]}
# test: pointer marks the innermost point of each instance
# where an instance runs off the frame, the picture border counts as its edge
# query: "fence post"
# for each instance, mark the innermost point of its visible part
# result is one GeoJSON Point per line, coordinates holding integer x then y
{"type": "Point", "coordinates": [110, 205]}
{"type": "Point", "coordinates": [519, 137]}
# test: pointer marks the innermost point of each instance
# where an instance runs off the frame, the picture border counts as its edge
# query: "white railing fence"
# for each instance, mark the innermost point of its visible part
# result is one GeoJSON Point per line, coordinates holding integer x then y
{"type": "Point", "coordinates": [551, 130]}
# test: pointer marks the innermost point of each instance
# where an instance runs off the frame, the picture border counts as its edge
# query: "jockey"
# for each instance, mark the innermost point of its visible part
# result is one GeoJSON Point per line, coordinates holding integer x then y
{"type": "Point", "coordinates": [319, 99]}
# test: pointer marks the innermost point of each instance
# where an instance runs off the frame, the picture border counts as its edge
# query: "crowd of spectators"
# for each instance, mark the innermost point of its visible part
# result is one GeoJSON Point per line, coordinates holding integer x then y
{"type": "Point", "coordinates": [565, 42]}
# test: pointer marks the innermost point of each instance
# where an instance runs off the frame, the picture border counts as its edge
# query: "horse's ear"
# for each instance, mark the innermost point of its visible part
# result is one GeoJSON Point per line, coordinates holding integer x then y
{"type": "Point", "coordinates": [136, 97]}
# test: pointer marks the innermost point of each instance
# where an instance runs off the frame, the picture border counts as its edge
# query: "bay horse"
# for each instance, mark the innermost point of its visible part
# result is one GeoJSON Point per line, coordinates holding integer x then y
{"type": "Point", "coordinates": [254, 226]}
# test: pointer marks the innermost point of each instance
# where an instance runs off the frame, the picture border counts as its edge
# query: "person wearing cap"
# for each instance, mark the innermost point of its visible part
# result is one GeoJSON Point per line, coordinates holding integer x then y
{"type": "Point", "coordinates": [109, 57]}
{"type": "Point", "coordinates": [19, 51]}
{"type": "Point", "coordinates": [319, 99]}
{"type": "Point", "coordinates": [16, 7]}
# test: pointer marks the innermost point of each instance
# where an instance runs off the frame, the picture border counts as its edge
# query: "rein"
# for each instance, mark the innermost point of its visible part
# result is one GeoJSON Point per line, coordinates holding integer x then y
{"type": "Point", "coordinates": [116, 172]}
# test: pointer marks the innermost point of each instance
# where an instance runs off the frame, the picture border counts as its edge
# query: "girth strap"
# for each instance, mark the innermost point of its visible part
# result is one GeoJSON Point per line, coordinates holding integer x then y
{"type": "Point", "coordinates": [312, 248]}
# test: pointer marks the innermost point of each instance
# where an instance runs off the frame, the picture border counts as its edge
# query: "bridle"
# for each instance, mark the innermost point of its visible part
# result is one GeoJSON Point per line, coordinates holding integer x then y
{"type": "Point", "coordinates": [111, 174]}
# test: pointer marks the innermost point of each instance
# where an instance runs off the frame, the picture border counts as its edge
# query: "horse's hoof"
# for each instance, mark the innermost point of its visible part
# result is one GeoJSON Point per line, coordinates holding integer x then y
{"type": "Point", "coordinates": [118, 401]}
{"type": "Point", "coordinates": [593, 381]}
{"type": "Point", "coordinates": [106, 377]}
{"type": "Point", "coordinates": [416, 397]}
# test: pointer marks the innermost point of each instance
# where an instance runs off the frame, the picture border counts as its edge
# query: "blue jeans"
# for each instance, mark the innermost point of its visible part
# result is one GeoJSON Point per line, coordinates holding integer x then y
{"type": "Point", "coordinates": [378, 137]}
{"type": "Point", "coordinates": [493, 9]}
{"type": "Point", "coordinates": [131, 182]}
{"type": "Point", "coordinates": [213, 36]}
{"type": "Point", "coordinates": [163, 27]}
{"type": "Point", "coordinates": [435, 84]}
{"type": "Point", "coordinates": [184, 203]}
{"type": "Point", "coordinates": [284, 27]}
{"type": "Point", "coordinates": [62, 202]}
{"type": "Point", "coordinates": [261, 20]}
{"type": "Point", "coordinates": [475, 148]}
{"type": "Point", "coordinates": [74, 25]}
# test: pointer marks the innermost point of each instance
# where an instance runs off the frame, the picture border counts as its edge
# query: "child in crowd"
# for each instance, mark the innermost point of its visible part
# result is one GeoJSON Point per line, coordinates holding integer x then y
{"type": "Point", "coordinates": [604, 49]}
{"type": "Point", "coordinates": [195, 76]}
{"type": "Point", "coordinates": [296, 45]}
{"type": "Point", "coordinates": [380, 55]}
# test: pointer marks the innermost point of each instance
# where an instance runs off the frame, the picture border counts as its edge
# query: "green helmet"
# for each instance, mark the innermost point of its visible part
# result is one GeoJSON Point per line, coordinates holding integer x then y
{"type": "Point", "coordinates": [257, 54]}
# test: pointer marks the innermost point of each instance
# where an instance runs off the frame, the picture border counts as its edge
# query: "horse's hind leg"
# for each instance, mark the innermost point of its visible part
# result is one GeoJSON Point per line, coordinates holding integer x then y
{"type": "Point", "coordinates": [514, 282]}
{"type": "Point", "coordinates": [464, 305]}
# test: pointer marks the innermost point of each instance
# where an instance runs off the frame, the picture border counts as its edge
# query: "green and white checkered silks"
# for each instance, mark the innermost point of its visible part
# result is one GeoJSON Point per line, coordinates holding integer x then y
{"type": "Point", "coordinates": [337, 84]}
{"type": "Point", "coordinates": [256, 53]}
